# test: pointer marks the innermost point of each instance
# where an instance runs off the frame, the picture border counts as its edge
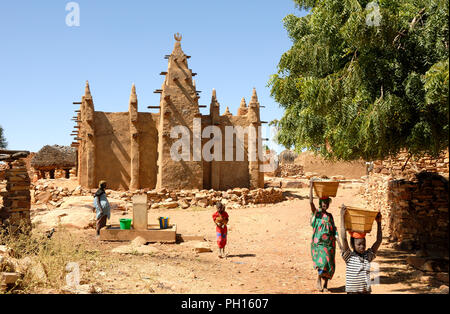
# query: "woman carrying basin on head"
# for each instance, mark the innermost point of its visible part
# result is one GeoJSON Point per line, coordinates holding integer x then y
{"type": "Point", "coordinates": [323, 242]}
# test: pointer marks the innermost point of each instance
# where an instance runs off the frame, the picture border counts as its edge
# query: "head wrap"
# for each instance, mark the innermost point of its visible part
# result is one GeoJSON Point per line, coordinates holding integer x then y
{"type": "Point", "coordinates": [357, 235]}
{"type": "Point", "coordinates": [324, 199]}
{"type": "Point", "coordinates": [101, 183]}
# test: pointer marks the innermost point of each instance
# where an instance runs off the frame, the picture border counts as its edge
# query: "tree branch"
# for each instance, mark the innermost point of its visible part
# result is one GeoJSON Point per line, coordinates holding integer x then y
{"type": "Point", "coordinates": [404, 166]}
{"type": "Point", "coordinates": [416, 19]}
{"type": "Point", "coordinates": [413, 23]}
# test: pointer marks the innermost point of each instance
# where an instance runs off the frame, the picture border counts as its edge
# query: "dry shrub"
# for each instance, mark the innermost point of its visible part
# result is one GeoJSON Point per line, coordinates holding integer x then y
{"type": "Point", "coordinates": [41, 260]}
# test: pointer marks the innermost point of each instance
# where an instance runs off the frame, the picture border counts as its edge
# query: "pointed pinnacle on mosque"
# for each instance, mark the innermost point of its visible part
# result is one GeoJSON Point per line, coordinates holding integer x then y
{"type": "Point", "coordinates": [133, 96]}
{"type": "Point", "coordinates": [254, 95]}
{"type": "Point", "coordinates": [214, 97]}
{"type": "Point", "coordinates": [214, 102]}
{"type": "Point", "coordinates": [243, 103]}
{"type": "Point", "coordinates": [87, 90]}
{"type": "Point", "coordinates": [254, 101]}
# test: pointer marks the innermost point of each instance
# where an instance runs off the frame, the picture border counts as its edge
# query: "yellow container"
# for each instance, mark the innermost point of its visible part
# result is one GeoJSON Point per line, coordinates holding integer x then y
{"type": "Point", "coordinates": [359, 220]}
{"type": "Point", "coordinates": [326, 188]}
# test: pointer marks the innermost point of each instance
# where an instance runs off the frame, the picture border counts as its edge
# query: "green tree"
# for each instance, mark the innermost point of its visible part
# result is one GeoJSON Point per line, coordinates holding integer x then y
{"type": "Point", "coordinates": [363, 81]}
{"type": "Point", "coordinates": [3, 142]}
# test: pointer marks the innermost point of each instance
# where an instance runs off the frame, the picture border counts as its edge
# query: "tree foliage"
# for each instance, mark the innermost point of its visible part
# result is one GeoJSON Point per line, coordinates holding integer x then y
{"type": "Point", "coordinates": [351, 89]}
{"type": "Point", "coordinates": [3, 142]}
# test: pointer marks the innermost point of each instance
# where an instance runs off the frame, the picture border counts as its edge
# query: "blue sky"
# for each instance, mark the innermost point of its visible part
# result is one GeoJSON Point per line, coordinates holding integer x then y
{"type": "Point", "coordinates": [235, 46]}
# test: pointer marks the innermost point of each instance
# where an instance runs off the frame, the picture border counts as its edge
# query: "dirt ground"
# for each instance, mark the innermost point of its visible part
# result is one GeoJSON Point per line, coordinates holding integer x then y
{"type": "Point", "coordinates": [269, 253]}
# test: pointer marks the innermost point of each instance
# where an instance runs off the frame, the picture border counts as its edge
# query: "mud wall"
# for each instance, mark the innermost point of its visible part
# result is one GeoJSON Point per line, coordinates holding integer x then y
{"type": "Point", "coordinates": [148, 149]}
{"type": "Point", "coordinates": [316, 164]}
{"type": "Point", "coordinates": [232, 174]}
{"type": "Point", "coordinates": [113, 146]}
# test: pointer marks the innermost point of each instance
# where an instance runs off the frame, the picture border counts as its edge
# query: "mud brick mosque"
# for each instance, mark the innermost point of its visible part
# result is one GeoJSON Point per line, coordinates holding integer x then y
{"type": "Point", "coordinates": [131, 150]}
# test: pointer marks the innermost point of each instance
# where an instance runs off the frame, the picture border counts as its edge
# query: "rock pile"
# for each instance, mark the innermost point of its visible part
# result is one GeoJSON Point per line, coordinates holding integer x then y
{"type": "Point", "coordinates": [291, 170]}
{"type": "Point", "coordinates": [13, 269]}
{"type": "Point", "coordinates": [235, 198]}
{"type": "Point", "coordinates": [45, 193]}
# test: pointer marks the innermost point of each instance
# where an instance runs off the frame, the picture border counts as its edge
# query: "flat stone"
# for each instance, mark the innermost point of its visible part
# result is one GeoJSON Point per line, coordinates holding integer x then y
{"type": "Point", "coordinates": [139, 241]}
{"type": "Point", "coordinates": [4, 249]}
{"type": "Point", "coordinates": [183, 204]}
{"type": "Point", "coordinates": [443, 289]}
{"type": "Point", "coordinates": [9, 278]}
{"type": "Point", "coordinates": [202, 247]}
{"type": "Point", "coordinates": [169, 205]}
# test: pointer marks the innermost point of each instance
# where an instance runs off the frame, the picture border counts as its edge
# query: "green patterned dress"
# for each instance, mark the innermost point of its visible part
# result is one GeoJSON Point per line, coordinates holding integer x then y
{"type": "Point", "coordinates": [323, 243]}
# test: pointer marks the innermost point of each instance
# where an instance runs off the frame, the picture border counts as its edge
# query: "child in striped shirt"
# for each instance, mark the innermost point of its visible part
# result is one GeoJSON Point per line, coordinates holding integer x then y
{"type": "Point", "coordinates": [357, 275]}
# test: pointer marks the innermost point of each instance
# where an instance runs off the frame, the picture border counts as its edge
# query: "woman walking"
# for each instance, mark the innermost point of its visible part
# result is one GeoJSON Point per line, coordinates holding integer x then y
{"type": "Point", "coordinates": [102, 207]}
{"type": "Point", "coordinates": [323, 243]}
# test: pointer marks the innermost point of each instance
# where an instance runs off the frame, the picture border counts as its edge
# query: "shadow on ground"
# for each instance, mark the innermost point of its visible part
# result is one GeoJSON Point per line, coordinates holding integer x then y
{"type": "Point", "coordinates": [395, 270]}
{"type": "Point", "coordinates": [294, 194]}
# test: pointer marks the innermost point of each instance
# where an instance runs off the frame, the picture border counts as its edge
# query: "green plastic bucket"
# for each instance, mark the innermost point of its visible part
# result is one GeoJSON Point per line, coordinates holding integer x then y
{"type": "Point", "coordinates": [125, 224]}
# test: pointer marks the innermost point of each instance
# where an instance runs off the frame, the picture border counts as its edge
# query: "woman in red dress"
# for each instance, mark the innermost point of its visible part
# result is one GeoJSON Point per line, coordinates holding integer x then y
{"type": "Point", "coordinates": [220, 218]}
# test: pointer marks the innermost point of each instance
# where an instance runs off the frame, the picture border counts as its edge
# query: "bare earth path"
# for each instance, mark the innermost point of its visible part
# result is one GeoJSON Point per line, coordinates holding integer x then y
{"type": "Point", "coordinates": [269, 252]}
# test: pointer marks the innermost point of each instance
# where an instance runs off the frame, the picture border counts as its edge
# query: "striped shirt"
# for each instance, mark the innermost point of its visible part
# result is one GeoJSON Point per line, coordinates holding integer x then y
{"type": "Point", "coordinates": [357, 275]}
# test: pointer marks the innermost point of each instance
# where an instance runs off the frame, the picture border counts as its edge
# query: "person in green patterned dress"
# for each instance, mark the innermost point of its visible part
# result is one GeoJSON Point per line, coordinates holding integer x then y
{"type": "Point", "coordinates": [323, 243]}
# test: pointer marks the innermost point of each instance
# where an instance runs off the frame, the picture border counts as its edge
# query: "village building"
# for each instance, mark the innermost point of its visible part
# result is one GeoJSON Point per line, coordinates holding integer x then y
{"type": "Point", "coordinates": [54, 162]}
{"type": "Point", "coordinates": [132, 150]}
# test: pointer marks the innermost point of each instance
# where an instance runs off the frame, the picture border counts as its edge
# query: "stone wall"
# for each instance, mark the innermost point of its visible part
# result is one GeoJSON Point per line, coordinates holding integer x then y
{"type": "Point", "coordinates": [52, 196]}
{"type": "Point", "coordinates": [393, 166]}
{"type": "Point", "coordinates": [413, 202]}
{"type": "Point", "coordinates": [234, 198]}
{"type": "Point", "coordinates": [419, 212]}
{"type": "Point", "coordinates": [16, 196]}
{"type": "Point", "coordinates": [291, 170]}
{"type": "Point", "coordinates": [3, 168]}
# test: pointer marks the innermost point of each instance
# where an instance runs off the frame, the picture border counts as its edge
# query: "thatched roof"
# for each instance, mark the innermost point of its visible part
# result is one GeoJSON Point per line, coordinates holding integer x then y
{"type": "Point", "coordinates": [54, 156]}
